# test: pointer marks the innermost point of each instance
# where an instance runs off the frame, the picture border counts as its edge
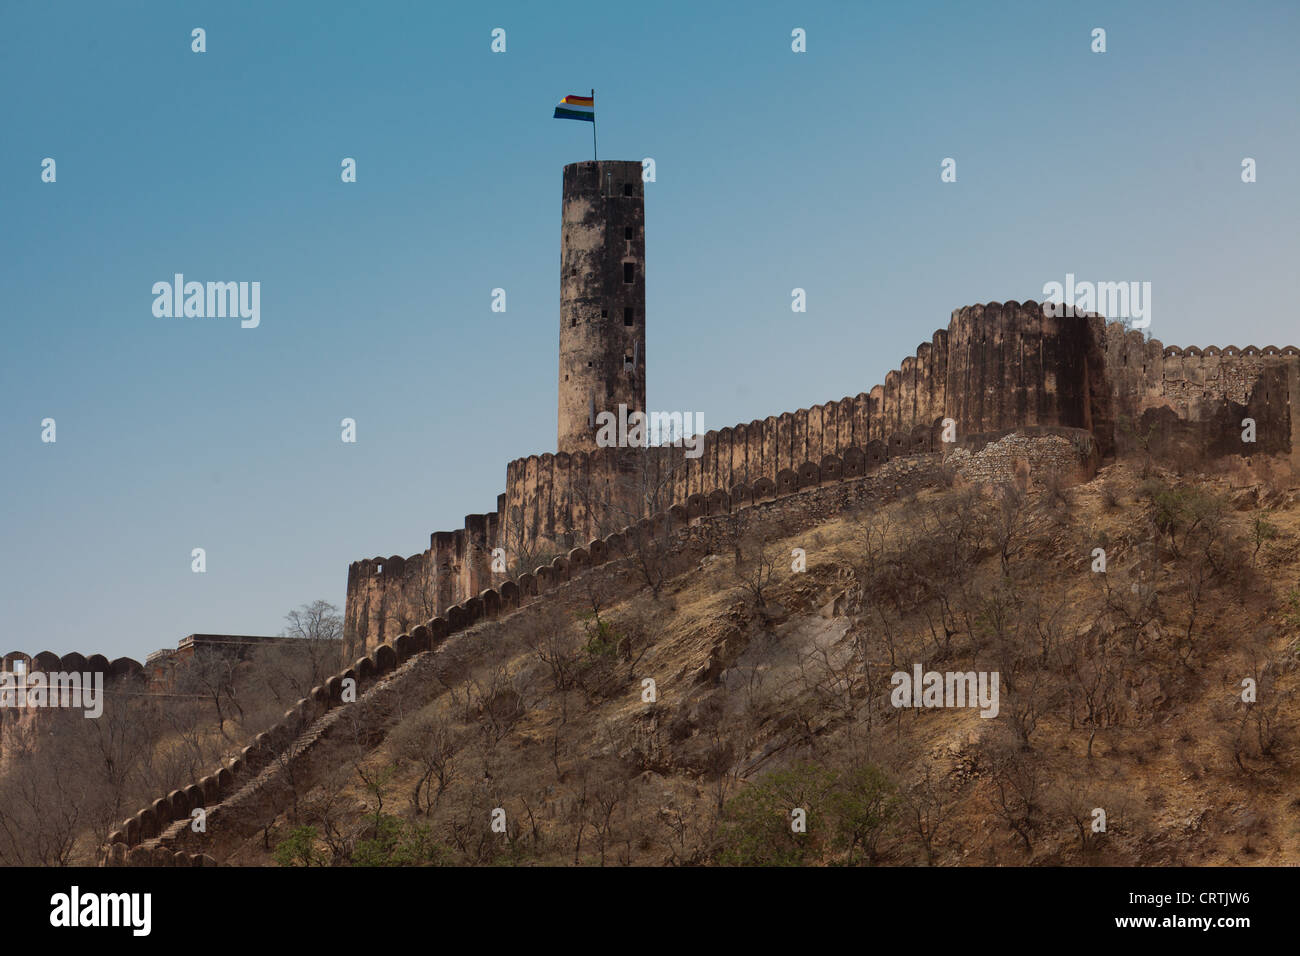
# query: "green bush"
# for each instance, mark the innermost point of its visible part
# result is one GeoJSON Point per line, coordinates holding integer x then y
{"type": "Point", "coordinates": [400, 843]}
{"type": "Point", "coordinates": [1176, 511]}
{"type": "Point", "coordinates": [862, 804]}
{"type": "Point", "coordinates": [299, 849]}
{"type": "Point", "coordinates": [602, 637]}
{"type": "Point", "coordinates": [846, 814]}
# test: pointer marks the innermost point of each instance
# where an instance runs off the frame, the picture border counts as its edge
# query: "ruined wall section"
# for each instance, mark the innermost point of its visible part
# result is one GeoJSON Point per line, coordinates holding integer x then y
{"type": "Point", "coordinates": [1193, 399]}
{"type": "Point", "coordinates": [1029, 455]}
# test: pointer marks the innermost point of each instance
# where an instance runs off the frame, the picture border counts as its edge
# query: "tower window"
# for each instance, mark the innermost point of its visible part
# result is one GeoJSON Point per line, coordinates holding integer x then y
{"type": "Point", "coordinates": [588, 365]}
{"type": "Point", "coordinates": [628, 272]}
{"type": "Point", "coordinates": [627, 316]}
{"type": "Point", "coordinates": [627, 360]}
{"type": "Point", "coordinates": [604, 313]}
{"type": "Point", "coordinates": [627, 189]}
{"type": "Point", "coordinates": [627, 233]}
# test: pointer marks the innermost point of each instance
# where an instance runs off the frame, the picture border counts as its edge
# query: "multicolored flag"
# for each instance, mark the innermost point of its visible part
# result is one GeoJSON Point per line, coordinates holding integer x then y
{"type": "Point", "coordinates": [577, 108]}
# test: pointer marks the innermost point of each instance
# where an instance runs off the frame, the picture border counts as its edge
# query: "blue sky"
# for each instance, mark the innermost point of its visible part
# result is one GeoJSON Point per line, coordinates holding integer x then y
{"type": "Point", "coordinates": [774, 170]}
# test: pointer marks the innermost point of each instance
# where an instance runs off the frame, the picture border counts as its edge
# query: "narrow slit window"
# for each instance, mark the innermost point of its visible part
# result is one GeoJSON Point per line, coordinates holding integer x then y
{"type": "Point", "coordinates": [627, 316]}
{"type": "Point", "coordinates": [629, 272]}
{"type": "Point", "coordinates": [627, 233]}
{"type": "Point", "coordinates": [627, 189]}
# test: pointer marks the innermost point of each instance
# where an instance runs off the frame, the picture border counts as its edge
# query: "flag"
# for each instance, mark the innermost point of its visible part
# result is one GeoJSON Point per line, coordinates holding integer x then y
{"type": "Point", "coordinates": [577, 108]}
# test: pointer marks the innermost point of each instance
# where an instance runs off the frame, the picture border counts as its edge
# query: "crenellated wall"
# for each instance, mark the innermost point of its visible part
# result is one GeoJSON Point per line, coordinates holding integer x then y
{"type": "Point", "coordinates": [386, 596]}
{"type": "Point", "coordinates": [122, 674]}
{"type": "Point", "coordinates": [73, 662]}
{"type": "Point", "coordinates": [998, 367]}
{"type": "Point", "coordinates": [1196, 398]}
{"type": "Point", "coordinates": [569, 497]}
{"type": "Point", "coordinates": [1011, 364]}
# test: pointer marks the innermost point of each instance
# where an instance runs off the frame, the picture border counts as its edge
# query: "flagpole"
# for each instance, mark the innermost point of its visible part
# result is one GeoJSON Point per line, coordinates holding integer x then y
{"type": "Point", "coordinates": [594, 158]}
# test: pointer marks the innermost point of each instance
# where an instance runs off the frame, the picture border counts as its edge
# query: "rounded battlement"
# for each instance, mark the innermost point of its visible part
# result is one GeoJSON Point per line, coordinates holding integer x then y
{"type": "Point", "coordinates": [1013, 364]}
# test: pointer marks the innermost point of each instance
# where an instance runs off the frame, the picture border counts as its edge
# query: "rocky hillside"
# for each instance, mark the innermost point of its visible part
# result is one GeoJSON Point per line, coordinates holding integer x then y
{"type": "Point", "coordinates": [1142, 628]}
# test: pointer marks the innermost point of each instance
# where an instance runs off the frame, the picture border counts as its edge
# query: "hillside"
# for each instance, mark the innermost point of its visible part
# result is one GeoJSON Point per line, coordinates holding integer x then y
{"type": "Point", "coordinates": [1119, 690]}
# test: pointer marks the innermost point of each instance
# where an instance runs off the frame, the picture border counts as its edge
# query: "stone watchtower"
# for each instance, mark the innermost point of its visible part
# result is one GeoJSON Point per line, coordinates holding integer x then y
{"type": "Point", "coordinates": [602, 297]}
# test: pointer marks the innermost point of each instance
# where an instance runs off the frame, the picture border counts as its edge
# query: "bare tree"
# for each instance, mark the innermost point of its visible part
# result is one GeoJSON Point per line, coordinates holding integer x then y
{"type": "Point", "coordinates": [1015, 788]}
{"type": "Point", "coordinates": [928, 807]}
{"type": "Point", "coordinates": [1010, 524]}
{"type": "Point", "coordinates": [428, 742]}
{"type": "Point", "coordinates": [311, 653]}
{"type": "Point", "coordinates": [214, 674]}
{"type": "Point", "coordinates": [755, 558]}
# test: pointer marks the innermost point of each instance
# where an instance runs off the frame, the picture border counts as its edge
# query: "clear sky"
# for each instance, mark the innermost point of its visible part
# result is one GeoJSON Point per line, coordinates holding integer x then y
{"type": "Point", "coordinates": [775, 170]}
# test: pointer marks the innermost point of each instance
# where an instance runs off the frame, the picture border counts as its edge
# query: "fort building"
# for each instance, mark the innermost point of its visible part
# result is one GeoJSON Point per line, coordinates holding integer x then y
{"type": "Point", "coordinates": [161, 666]}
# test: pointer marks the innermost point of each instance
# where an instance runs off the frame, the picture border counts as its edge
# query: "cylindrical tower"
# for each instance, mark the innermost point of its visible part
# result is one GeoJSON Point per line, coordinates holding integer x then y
{"type": "Point", "coordinates": [602, 297]}
{"type": "Point", "coordinates": [1011, 365]}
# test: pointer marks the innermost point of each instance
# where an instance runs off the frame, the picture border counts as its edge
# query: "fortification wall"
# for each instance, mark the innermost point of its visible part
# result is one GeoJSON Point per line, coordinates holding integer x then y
{"type": "Point", "coordinates": [1011, 365]}
{"type": "Point", "coordinates": [1169, 397]}
{"type": "Point", "coordinates": [570, 497]}
{"type": "Point", "coordinates": [73, 662]}
{"type": "Point", "coordinates": [567, 499]}
{"type": "Point", "coordinates": [998, 367]}
{"type": "Point", "coordinates": [21, 725]}
{"type": "Point", "coordinates": [386, 596]}
{"type": "Point", "coordinates": [553, 501]}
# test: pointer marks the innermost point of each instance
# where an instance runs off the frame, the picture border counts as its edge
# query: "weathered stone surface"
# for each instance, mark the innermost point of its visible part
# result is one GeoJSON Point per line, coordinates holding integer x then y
{"type": "Point", "coordinates": [602, 298]}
